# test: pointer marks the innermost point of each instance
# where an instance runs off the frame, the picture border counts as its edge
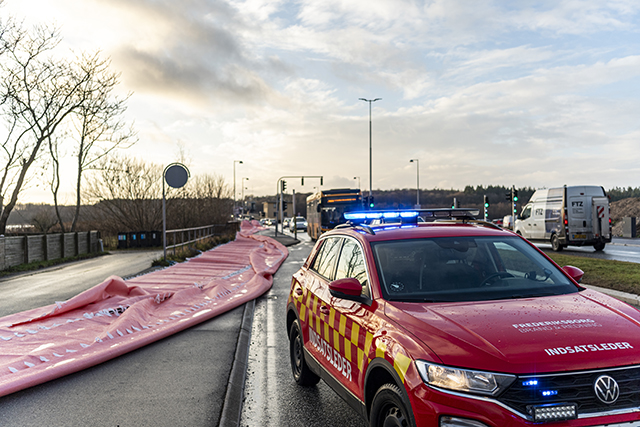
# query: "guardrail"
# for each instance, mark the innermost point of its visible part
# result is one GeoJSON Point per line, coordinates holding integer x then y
{"type": "Point", "coordinates": [188, 236]}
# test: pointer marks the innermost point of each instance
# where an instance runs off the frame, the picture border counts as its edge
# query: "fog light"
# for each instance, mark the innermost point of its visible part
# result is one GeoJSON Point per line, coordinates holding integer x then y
{"type": "Point", "coordinates": [459, 422]}
{"type": "Point", "coordinates": [555, 412]}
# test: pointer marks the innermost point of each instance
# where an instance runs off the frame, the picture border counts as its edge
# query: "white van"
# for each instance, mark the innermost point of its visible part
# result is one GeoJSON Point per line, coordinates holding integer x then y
{"type": "Point", "coordinates": [567, 216]}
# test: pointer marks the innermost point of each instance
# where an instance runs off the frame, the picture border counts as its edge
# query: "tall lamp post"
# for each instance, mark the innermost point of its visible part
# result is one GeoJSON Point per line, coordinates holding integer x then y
{"type": "Point", "coordinates": [370, 151]}
{"type": "Point", "coordinates": [417, 181]}
{"type": "Point", "coordinates": [234, 186]}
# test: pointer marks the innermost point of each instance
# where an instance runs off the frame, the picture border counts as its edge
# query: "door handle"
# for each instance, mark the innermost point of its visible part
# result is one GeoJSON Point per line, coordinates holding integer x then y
{"type": "Point", "coordinates": [324, 310]}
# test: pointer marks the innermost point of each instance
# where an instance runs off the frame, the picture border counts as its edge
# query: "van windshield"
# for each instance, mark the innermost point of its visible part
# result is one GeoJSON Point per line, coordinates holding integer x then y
{"type": "Point", "coordinates": [465, 269]}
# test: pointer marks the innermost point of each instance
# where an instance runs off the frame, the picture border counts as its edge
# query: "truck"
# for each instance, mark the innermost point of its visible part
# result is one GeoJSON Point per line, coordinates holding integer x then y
{"type": "Point", "coordinates": [567, 216]}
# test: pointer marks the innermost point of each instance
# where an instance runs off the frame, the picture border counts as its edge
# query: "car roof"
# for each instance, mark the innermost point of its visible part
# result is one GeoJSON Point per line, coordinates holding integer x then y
{"type": "Point", "coordinates": [421, 230]}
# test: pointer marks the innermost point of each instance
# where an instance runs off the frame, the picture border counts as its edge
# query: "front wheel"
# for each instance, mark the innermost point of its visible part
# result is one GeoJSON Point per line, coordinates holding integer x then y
{"type": "Point", "coordinates": [555, 243]}
{"type": "Point", "coordinates": [389, 409]}
{"type": "Point", "coordinates": [301, 372]}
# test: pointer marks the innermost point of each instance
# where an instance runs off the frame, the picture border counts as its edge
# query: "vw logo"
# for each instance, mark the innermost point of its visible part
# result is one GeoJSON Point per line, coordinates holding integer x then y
{"type": "Point", "coordinates": [607, 390]}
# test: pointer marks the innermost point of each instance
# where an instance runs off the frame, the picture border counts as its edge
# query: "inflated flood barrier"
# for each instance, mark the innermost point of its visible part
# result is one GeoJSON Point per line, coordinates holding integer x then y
{"type": "Point", "coordinates": [118, 316]}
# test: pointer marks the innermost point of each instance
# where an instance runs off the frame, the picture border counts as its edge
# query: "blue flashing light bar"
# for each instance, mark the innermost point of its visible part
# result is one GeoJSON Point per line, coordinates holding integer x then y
{"type": "Point", "coordinates": [529, 383]}
{"type": "Point", "coordinates": [549, 392]}
{"type": "Point", "coordinates": [379, 215]}
{"type": "Point", "coordinates": [412, 215]}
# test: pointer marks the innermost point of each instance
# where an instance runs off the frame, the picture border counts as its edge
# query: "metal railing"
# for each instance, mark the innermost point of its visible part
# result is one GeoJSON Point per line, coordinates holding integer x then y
{"type": "Point", "coordinates": [188, 236]}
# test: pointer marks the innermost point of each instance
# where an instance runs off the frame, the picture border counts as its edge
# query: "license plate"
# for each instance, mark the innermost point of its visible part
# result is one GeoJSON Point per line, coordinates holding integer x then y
{"type": "Point", "coordinates": [579, 236]}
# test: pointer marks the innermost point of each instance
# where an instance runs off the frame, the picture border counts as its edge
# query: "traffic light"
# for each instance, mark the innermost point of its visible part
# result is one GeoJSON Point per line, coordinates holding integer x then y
{"type": "Point", "coordinates": [283, 185]}
{"type": "Point", "coordinates": [371, 204]}
{"type": "Point", "coordinates": [515, 195]}
{"type": "Point", "coordinates": [455, 203]}
{"type": "Point", "coordinates": [284, 205]}
{"type": "Point", "coordinates": [508, 195]}
{"type": "Point", "coordinates": [486, 207]}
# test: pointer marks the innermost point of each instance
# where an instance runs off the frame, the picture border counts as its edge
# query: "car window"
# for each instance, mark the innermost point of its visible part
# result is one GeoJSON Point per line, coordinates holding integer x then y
{"type": "Point", "coordinates": [465, 269]}
{"type": "Point", "coordinates": [351, 263]}
{"type": "Point", "coordinates": [326, 260]}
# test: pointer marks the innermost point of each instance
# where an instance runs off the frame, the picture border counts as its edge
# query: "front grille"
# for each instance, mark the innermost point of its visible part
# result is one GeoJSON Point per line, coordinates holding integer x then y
{"type": "Point", "coordinates": [574, 387]}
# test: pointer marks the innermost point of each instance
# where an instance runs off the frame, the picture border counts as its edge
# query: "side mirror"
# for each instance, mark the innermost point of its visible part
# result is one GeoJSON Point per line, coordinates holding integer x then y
{"type": "Point", "coordinates": [575, 273]}
{"type": "Point", "coordinates": [349, 289]}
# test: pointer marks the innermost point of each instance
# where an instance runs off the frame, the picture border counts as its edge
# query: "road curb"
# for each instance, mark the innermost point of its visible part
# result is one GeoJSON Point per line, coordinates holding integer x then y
{"type": "Point", "coordinates": [232, 405]}
{"type": "Point", "coordinates": [622, 296]}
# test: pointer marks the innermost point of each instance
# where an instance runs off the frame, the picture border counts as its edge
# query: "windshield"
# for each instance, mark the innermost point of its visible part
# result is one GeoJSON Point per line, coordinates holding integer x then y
{"type": "Point", "coordinates": [465, 269]}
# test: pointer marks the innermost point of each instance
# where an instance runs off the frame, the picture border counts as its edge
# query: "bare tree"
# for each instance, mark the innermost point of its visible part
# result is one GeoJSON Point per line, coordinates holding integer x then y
{"type": "Point", "coordinates": [127, 193]}
{"type": "Point", "coordinates": [98, 123]}
{"type": "Point", "coordinates": [38, 93]}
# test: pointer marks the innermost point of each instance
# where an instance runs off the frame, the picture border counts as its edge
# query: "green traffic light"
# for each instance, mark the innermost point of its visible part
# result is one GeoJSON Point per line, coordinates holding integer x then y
{"type": "Point", "coordinates": [515, 198]}
{"type": "Point", "coordinates": [486, 205]}
{"type": "Point", "coordinates": [370, 205]}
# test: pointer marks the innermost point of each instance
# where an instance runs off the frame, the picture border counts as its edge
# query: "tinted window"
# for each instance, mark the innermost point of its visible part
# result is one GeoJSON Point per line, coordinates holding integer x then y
{"type": "Point", "coordinates": [465, 269]}
{"type": "Point", "coordinates": [351, 263]}
{"type": "Point", "coordinates": [326, 260]}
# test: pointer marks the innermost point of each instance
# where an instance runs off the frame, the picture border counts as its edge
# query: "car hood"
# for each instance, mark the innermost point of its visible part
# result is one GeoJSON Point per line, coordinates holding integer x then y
{"type": "Point", "coordinates": [585, 330]}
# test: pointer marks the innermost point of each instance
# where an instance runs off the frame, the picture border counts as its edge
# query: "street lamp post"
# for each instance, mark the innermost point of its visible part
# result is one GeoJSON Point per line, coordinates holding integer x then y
{"type": "Point", "coordinates": [234, 186]}
{"type": "Point", "coordinates": [370, 150]}
{"type": "Point", "coordinates": [417, 181]}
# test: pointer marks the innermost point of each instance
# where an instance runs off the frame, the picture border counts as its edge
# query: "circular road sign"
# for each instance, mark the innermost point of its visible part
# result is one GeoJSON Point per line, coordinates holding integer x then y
{"type": "Point", "coordinates": [176, 175]}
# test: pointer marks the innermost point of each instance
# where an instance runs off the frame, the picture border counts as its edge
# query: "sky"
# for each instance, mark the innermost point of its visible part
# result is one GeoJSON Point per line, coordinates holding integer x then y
{"type": "Point", "coordinates": [528, 93]}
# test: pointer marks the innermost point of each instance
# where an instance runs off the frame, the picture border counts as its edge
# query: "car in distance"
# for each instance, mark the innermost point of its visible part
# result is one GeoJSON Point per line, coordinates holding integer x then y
{"type": "Point", "coordinates": [459, 323]}
{"type": "Point", "coordinates": [299, 223]}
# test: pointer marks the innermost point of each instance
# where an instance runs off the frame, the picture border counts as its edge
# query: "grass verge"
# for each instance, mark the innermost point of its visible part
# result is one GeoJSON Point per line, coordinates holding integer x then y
{"type": "Point", "coordinates": [182, 254]}
{"type": "Point", "coordinates": [37, 265]}
{"type": "Point", "coordinates": [618, 275]}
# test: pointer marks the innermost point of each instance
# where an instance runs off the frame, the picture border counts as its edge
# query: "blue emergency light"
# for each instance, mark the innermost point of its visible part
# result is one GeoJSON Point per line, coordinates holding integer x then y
{"type": "Point", "coordinates": [411, 216]}
{"type": "Point", "coordinates": [386, 215]}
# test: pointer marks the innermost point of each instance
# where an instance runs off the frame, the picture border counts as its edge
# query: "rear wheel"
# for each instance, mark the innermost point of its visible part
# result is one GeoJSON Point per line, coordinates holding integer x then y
{"type": "Point", "coordinates": [389, 409]}
{"type": "Point", "coordinates": [301, 372]}
{"type": "Point", "coordinates": [599, 246]}
{"type": "Point", "coordinates": [555, 243]}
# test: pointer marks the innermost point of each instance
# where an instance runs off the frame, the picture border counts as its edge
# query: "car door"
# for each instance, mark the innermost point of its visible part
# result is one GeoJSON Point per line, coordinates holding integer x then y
{"type": "Point", "coordinates": [338, 336]}
{"type": "Point", "coordinates": [317, 300]}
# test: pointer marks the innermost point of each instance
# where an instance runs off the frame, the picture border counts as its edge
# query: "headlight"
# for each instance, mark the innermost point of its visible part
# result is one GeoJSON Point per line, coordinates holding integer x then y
{"type": "Point", "coordinates": [479, 382]}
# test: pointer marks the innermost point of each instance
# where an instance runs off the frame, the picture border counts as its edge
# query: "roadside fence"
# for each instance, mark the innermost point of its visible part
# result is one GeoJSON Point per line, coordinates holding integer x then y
{"type": "Point", "coordinates": [16, 250]}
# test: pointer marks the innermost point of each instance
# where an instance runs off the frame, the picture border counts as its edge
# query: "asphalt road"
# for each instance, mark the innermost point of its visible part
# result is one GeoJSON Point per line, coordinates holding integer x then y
{"type": "Point", "coordinates": [178, 381]}
{"type": "Point", "coordinates": [25, 291]}
{"type": "Point", "coordinates": [271, 396]}
{"type": "Point", "coordinates": [619, 250]}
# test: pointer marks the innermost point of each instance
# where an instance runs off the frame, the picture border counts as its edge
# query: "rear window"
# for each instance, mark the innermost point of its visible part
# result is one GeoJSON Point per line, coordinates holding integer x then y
{"type": "Point", "coordinates": [465, 269]}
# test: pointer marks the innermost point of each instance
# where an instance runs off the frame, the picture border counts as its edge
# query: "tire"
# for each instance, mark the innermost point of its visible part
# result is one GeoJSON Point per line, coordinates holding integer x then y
{"type": "Point", "coordinates": [389, 408]}
{"type": "Point", "coordinates": [555, 243]}
{"type": "Point", "coordinates": [599, 246]}
{"type": "Point", "coordinates": [302, 375]}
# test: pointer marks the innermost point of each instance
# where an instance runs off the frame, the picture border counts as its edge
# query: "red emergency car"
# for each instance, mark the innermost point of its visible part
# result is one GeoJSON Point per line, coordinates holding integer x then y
{"type": "Point", "coordinates": [459, 323]}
